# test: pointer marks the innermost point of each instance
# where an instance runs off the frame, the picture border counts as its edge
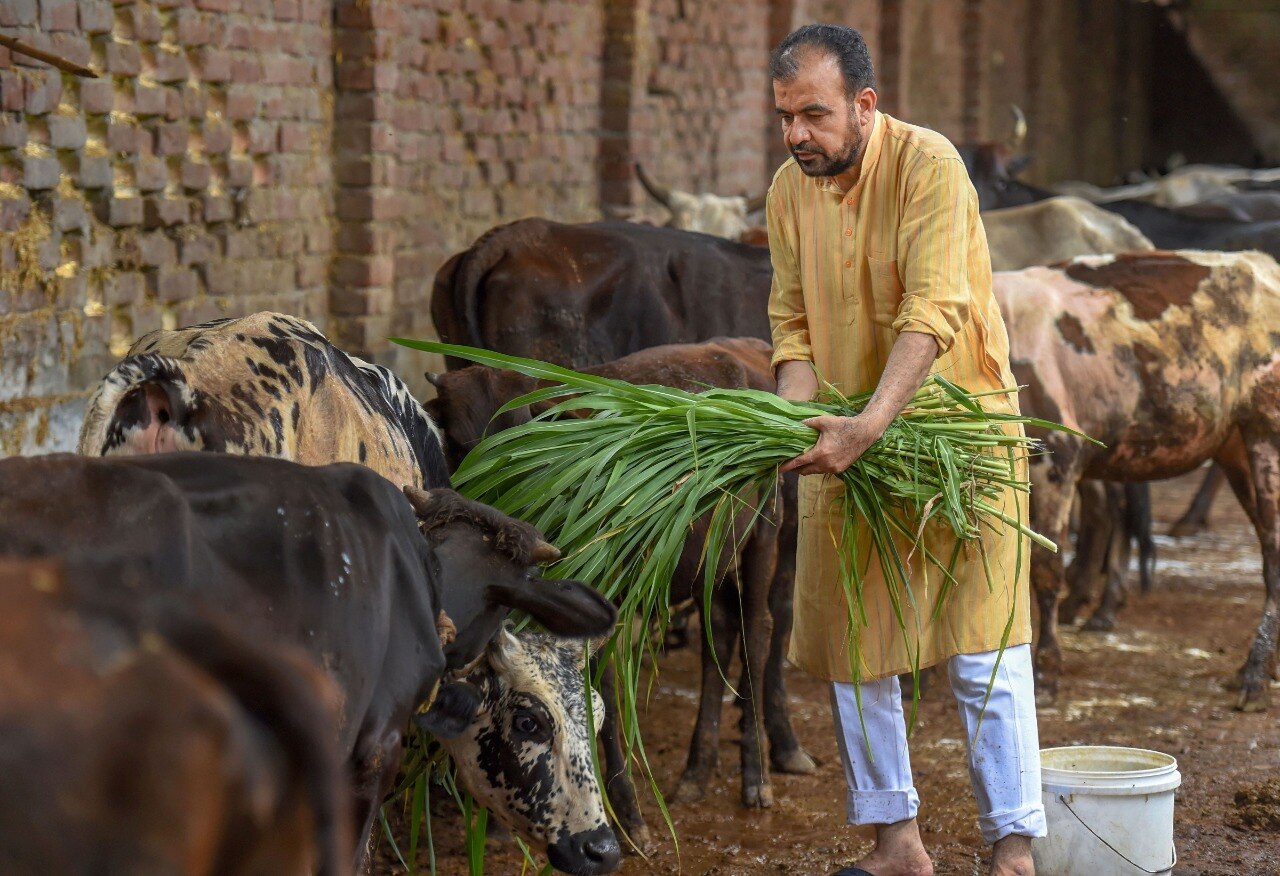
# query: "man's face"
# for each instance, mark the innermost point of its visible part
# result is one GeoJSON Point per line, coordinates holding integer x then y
{"type": "Point", "coordinates": [823, 128]}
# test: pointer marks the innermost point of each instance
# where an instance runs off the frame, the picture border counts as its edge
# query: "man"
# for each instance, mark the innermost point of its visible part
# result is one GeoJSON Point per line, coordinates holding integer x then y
{"type": "Point", "coordinates": [882, 276]}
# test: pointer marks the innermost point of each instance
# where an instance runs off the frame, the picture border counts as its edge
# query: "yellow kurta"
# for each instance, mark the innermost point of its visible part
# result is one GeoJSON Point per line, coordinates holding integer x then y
{"type": "Point", "coordinates": [902, 250]}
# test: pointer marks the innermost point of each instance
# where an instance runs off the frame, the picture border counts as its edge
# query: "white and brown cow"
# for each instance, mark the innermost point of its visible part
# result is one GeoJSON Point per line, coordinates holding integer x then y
{"type": "Point", "coordinates": [1164, 357]}
{"type": "Point", "coordinates": [718, 215]}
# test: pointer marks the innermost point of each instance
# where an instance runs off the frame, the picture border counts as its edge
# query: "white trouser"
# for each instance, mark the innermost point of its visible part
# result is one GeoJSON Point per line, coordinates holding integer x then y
{"type": "Point", "coordinates": [1004, 758]}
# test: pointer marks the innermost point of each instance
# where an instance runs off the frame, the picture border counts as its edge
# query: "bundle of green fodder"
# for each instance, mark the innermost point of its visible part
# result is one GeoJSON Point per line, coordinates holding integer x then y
{"type": "Point", "coordinates": [618, 490]}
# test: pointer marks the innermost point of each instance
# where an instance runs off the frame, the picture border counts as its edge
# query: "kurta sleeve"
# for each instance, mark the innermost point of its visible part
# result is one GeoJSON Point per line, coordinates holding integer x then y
{"type": "Point", "coordinates": [787, 317]}
{"type": "Point", "coordinates": [939, 215]}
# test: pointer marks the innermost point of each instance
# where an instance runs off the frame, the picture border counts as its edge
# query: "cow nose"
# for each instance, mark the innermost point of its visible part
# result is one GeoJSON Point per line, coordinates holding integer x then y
{"type": "Point", "coordinates": [590, 853]}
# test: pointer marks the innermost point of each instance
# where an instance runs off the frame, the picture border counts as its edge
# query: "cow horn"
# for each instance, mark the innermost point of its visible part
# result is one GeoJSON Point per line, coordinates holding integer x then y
{"type": "Point", "coordinates": [433, 378]}
{"type": "Point", "coordinates": [420, 499]}
{"type": "Point", "coordinates": [659, 194]}
{"type": "Point", "coordinates": [1019, 128]}
{"type": "Point", "coordinates": [544, 552]}
{"type": "Point", "coordinates": [756, 203]}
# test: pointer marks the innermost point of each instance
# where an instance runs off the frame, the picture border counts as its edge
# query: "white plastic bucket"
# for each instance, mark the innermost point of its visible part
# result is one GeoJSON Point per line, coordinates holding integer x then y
{"type": "Point", "coordinates": [1109, 810]}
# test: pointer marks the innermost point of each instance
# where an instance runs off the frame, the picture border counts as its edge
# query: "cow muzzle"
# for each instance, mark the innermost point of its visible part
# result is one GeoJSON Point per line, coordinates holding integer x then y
{"type": "Point", "coordinates": [588, 853]}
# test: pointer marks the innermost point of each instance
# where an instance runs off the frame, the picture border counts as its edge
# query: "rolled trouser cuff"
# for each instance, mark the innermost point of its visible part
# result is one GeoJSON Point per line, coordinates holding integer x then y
{"type": "Point", "coordinates": [884, 807]}
{"type": "Point", "coordinates": [1027, 821]}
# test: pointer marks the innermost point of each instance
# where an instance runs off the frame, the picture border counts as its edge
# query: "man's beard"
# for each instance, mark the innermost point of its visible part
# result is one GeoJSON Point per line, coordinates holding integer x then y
{"type": "Point", "coordinates": [825, 164]}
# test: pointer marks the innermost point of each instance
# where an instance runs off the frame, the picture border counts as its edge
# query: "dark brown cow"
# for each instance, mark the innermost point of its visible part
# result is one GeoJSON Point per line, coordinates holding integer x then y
{"type": "Point", "coordinates": [139, 736]}
{"type": "Point", "coordinates": [465, 407]}
{"type": "Point", "coordinates": [580, 295]}
{"type": "Point", "coordinates": [1161, 356]}
{"type": "Point", "coordinates": [331, 559]}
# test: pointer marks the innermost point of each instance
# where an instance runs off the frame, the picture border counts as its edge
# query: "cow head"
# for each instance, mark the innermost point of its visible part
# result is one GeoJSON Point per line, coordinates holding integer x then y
{"type": "Point", "coordinates": [994, 166]}
{"type": "Point", "coordinates": [147, 405]}
{"type": "Point", "coordinates": [517, 728]}
{"type": "Point", "coordinates": [711, 214]}
{"type": "Point", "coordinates": [466, 401]}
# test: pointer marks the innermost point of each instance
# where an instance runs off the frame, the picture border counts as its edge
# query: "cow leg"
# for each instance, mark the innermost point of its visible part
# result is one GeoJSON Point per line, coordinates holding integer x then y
{"type": "Point", "coordinates": [717, 654]}
{"type": "Point", "coordinates": [1196, 517]}
{"type": "Point", "coordinates": [1117, 565]}
{"type": "Point", "coordinates": [1264, 465]}
{"type": "Point", "coordinates": [785, 752]}
{"type": "Point", "coordinates": [760, 559]}
{"type": "Point", "coordinates": [1055, 483]}
{"type": "Point", "coordinates": [1093, 534]}
{"type": "Point", "coordinates": [376, 760]}
{"type": "Point", "coordinates": [618, 787]}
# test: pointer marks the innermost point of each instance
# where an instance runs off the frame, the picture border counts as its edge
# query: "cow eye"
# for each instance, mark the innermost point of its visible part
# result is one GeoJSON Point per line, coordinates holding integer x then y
{"type": "Point", "coordinates": [525, 724]}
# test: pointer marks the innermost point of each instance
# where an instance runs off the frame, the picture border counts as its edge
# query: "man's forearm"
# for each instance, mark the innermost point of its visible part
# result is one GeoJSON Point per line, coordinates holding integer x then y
{"type": "Point", "coordinates": [796, 380]}
{"type": "Point", "coordinates": [908, 365]}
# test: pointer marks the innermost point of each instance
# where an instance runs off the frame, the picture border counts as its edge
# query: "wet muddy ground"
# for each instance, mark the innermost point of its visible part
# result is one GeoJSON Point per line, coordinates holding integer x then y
{"type": "Point", "coordinates": [1156, 682]}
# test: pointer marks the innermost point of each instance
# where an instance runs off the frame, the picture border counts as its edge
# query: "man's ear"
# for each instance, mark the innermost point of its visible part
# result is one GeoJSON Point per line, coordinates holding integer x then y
{"type": "Point", "coordinates": [866, 102]}
{"type": "Point", "coordinates": [454, 710]}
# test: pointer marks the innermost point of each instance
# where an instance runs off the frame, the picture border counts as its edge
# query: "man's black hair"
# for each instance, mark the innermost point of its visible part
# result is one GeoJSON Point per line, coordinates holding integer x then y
{"type": "Point", "coordinates": [844, 44]}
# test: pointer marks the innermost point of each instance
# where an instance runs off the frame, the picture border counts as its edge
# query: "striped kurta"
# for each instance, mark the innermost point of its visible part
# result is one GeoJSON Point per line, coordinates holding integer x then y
{"type": "Point", "coordinates": [902, 250]}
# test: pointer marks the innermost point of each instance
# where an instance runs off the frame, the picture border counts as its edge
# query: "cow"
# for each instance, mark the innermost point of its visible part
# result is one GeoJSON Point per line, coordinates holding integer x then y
{"type": "Point", "coordinates": [1259, 206]}
{"type": "Point", "coordinates": [466, 407]}
{"type": "Point", "coordinates": [718, 215]}
{"type": "Point", "coordinates": [581, 295]}
{"type": "Point", "coordinates": [146, 737]}
{"type": "Point", "coordinates": [1055, 230]}
{"type": "Point", "coordinates": [331, 559]}
{"type": "Point", "coordinates": [265, 384]}
{"type": "Point", "coordinates": [1161, 356]}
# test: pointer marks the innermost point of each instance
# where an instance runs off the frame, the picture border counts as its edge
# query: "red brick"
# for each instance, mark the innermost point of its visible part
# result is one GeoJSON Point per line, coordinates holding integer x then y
{"type": "Point", "coordinates": [123, 59]}
{"type": "Point", "coordinates": [294, 137]}
{"type": "Point", "coordinates": [13, 91]}
{"type": "Point", "coordinates": [246, 70]}
{"type": "Point", "coordinates": [147, 27]}
{"type": "Point", "coordinates": [95, 172]}
{"type": "Point", "coordinates": [171, 138]}
{"type": "Point", "coordinates": [263, 137]}
{"type": "Point", "coordinates": [195, 174]}
{"type": "Point", "coordinates": [198, 249]}
{"type": "Point", "coordinates": [18, 13]}
{"type": "Point", "coordinates": [161, 211]}
{"type": "Point", "coordinates": [173, 284]}
{"type": "Point", "coordinates": [194, 28]}
{"type": "Point", "coordinates": [215, 64]}
{"type": "Point", "coordinates": [39, 172]}
{"type": "Point", "coordinates": [156, 250]}
{"type": "Point", "coordinates": [66, 132]}
{"type": "Point", "coordinates": [239, 172]}
{"type": "Point", "coordinates": [171, 66]}
{"type": "Point", "coordinates": [242, 103]}
{"type": "Point", "coordinates": [72, 46]}
{"type": "Point", "coordinates": [217, 208]}
{"type": "Point", "coordinates": [286, 10]}
{"type": "Point", "coordinates": [217, 5]}
{"type": "Point", "coordinates": [69, 214]}
{"type": "Point", "coordinates": [148, 100]}
{"type": "Point", "coordinates": [123, 288]}
{"type": "Point", "coordinates": [311, 271]}
{"type": "Point", "coordinates": [13, 131]}
{"type": "Point", "coordinates": [364, 204]}
{"type": "Point", "coordinates": [195, 102]}
{"type": "Point", "coordinates": [264, 38]}
{"type": "Point", "coordinates": [377, 270]}
{"type": "Point", "coordinates": [151, 173]}
{"type": "Point", "coordinates": [122, 211]}
{"type": "Point", "coordinates": [217, 137]}
{"type": "Point", "coordinates": [96, 16]}
{"type": "Point", "coordinates": [43, 91]}
{"type": "Point", "coordinates": [57, 14]}
{"type": "Point", "coordinates": [97, 96]}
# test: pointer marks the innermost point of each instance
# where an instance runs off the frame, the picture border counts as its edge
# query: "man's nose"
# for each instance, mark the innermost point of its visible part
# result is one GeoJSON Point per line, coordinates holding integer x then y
{"type": "Point", "coordinates": [797, 134]}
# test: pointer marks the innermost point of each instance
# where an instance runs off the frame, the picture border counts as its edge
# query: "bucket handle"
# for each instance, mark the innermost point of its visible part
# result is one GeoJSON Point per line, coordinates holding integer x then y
{"type": "Point", "coordinates": [1063, 800]}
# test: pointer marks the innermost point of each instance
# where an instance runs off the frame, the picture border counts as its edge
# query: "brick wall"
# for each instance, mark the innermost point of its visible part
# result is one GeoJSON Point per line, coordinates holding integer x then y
{"type": "Point", "coordinates": [324, 157]}
{"type": "Point", "coordinates": [190, 181]}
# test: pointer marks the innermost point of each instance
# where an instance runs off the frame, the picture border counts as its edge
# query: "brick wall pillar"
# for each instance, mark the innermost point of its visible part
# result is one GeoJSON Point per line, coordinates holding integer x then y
{"type": "Point", "coordinates": [362, 273]}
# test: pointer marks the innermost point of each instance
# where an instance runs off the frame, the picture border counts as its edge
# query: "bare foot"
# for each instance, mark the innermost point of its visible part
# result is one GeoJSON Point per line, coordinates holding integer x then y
{"type": "Point", "coordinates": [899, 851]}
{"type": "Point", "coordinates": [1011, 856]}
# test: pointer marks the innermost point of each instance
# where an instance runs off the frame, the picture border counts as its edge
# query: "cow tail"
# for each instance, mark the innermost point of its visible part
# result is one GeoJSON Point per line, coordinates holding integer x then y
{"type": "Point", "coordinates": [1138, 526]}
{"type": "Point", "coordinates": [287, 695]}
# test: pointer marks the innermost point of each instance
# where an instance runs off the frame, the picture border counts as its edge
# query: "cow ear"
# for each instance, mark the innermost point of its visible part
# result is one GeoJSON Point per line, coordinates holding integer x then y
{"type": "Point", "coordinates": [564, 608]}
{"type": "Point", "coordinates": [454, 710]}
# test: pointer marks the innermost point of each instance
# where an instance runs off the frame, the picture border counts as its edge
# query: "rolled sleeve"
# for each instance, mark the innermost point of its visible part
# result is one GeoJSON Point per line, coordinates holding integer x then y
{"type": "Point", "coordinates": [788, 320]}
{"type": "Point", "coordinates": [933, 250]}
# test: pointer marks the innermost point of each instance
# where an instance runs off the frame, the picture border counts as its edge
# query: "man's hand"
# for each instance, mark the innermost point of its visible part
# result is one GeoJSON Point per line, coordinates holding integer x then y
{"type": "Point", "coordinates": [841, 441]}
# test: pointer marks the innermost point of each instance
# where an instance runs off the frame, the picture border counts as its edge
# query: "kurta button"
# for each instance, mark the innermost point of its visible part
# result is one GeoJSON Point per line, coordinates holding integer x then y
{"type": "Point", "coordinates": [849, 202]}
{"type": "Point", "coordinates": [848, 232]}
{"type": "Point", "coordinates": [848, 264]}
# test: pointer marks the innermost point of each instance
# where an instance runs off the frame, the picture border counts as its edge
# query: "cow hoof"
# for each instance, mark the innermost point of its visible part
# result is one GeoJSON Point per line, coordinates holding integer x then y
{"type": "Point", "coordinates": [1254, 697]}
{"type": "Point", "coordinates": [1067, 614]}
{"type": "Point", "coordinates": [757, 796]}
{"type": "Point", "coordinates": [636, 840]}
{"type": "Point", "coordinates": [1046, 694]}
{"type": "Point", "coordinates": [688, 791]}
{"type": "Point", "coordinates": [1099, 624]}
{"type": "Point", "coordinates": [1185, 530]}
{"type": "Point", "coordinates": [796, 762]}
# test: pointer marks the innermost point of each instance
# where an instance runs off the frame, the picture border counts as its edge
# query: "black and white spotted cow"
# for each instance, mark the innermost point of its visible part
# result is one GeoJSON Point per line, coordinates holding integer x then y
{"type": "Point", "coordinates": [262, 385]}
